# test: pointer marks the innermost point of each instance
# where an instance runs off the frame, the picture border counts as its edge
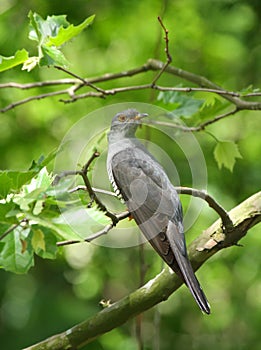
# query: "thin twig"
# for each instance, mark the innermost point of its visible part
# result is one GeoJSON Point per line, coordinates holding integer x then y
{"type": "Point", "coordinates": [225, 218]}
{"type": "Point", "coordinates": [197, 128]}
{"type": "Point", "coordinates": [32, 98]}
{"type": "Point", "coordinates": [92, 194]}
{"type": "Point", "coordinates": [168, 55]}
{"type": "Point", "coordinates": [214, 120]}
{"type": "Point", "coordinates": [98, 190]}
{"type": "Point", "coordinates": [83, 80]}
{"type": "Point", "coordinates": [252, 94]}
{"type": "Point", "coordinates": [11, 229]}
{"type": "Point", "coordinates": [152, 64]}
{"type": "Point", "coordinates": [100, 233]}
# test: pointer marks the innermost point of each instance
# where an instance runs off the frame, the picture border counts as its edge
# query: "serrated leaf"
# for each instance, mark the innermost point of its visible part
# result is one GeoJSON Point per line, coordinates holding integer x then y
{"type": "Point", "coordinates": [9, 62]}
{"type": "Point", "coordinates": [52, 56]}
{"type": "Point", "coordinates": [66, 34]}
{"type": "Point", "coordinates": [41, 29]}
{"type": "Point", "coordinates": [34, 191]}
{"type": "Point", "coordinates": [226, 153]}
{"type": "Point", "coordinates": [16, 254]}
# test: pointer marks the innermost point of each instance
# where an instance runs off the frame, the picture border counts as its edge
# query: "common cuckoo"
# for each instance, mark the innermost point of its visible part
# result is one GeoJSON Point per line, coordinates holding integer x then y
{"type": "Point", "coordinates": [151, 199]}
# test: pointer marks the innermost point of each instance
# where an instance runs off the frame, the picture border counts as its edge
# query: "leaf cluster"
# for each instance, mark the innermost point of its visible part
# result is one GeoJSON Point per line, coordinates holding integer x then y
{"type": "Point", "coordinates": [50, 34]}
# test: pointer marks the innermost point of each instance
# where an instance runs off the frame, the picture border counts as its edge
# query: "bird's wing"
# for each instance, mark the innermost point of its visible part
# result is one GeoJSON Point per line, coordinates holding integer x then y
{"type": "Point", "coordinates": [151, 199]}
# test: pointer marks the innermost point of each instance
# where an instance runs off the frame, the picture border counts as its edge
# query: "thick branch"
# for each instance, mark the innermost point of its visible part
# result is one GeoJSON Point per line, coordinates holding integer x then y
{"type": "Point", "coordinates": [244, 216]}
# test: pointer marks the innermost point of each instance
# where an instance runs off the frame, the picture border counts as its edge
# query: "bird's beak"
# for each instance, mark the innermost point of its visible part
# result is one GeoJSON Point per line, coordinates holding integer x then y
{"type": "Point", "coordinates": [140, 116]}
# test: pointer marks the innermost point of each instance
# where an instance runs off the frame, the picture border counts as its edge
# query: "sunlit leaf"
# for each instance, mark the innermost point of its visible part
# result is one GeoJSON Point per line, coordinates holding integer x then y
{"type": "Point", "coordinates": [226, 153]}
{"type": "Point", "coordinates": [9, 62]}
{"type": "Point", "coordinates": [51, 33]}
{"type": "Point", "coordinates": [38, 241]}
{"type": "Point", "coordinates": [44, 243]}
{"type": "Point", "coordinates": [34, 191]}
{"type": "Point", "coordinates": [67, 33]}
{"type": "Point", "coordinates": [41, 29]}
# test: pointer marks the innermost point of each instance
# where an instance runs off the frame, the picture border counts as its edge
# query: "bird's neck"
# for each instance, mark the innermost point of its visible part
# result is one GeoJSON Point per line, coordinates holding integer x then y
{"type": "Point", "coordinates": [116, 136]}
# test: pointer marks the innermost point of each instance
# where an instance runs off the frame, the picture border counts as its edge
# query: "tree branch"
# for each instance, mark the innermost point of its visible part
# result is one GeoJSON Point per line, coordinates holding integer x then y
{"type": "Point", "coordinates": [202, 82]}
{"type": "Point", "coordinates": [98, 234]}
{"type": "Point", "coordinates": [244, 216]}
{"type": "Point", "coordinates": [83, 173]}
{"type": "Point", "coordinates": [226, 220]}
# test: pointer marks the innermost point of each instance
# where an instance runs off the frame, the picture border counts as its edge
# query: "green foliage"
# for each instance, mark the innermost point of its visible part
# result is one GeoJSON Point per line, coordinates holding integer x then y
{"type": "Point", "coordinates": [180, 104]}
{"type": "Point", "coordinates": [17, 251]}
{"type": "Point", "coordinates": [9, 62]}
{"type": "Point", "coordinates": [30, 204]}
{"type": "Point", "coordinates": [50, 35]}
{"type": "Point", "coordinates": [59, 294]}
{"type": "Point", "coordinates": [13, 180]}
{"type": "Point", "coordinates": [226, 153]}
{"type": "Point", "coordinates": [24, 201]}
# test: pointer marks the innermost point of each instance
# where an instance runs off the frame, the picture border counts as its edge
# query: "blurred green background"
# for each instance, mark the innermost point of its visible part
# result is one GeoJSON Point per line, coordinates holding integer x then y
{"type": "Point", "coordinates": [219, 39]}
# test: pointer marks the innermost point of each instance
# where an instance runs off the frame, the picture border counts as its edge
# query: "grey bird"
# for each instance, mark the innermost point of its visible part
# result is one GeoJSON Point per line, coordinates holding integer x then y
{"type": "Point", "coordinates": [140, 181]}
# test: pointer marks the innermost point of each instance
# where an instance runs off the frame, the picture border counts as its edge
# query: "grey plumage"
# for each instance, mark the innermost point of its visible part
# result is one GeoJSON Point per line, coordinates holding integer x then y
{"type": "Point", "coordinates": [150, 197]}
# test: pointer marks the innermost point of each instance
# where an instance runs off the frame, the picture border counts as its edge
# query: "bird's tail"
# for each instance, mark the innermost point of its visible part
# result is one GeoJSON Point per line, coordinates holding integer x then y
{"type": "Point", "coordinates": [189, 277]}
{"type": "Point", "coordinates": [183, 267]}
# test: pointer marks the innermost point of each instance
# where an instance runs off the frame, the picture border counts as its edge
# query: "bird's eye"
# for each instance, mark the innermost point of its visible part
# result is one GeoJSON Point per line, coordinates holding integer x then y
{"type": "Point", "coordinates": [121, 118]}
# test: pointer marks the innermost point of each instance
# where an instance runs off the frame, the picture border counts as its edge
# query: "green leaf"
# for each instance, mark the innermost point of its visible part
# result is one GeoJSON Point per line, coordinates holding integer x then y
{"type": "Point", "coordinates": [38, 242]}
{"type": "Point", "coordinates": [13, 180]}
{"type": "Point", "coordinates": [181, 105]}
{"type": "Point", "coordinates": [226, 153]}
{"type": "Point", "coordinates": [43, 161]}
{"type": "Point", "coordinates": [5, 208]}
{"type": "Point", "coordinates": [41, 30]}
{"type": "Point", "coordinates": [66, 34]}
{"type": "Point", "coordinates": [51, 33]}
{"type": "Point", "coordinates": [34, 191]}
{"type": "Point", "coordinates": [44, 243]}
{"type": "Point", "coordinates": [17, 253]}
{"type": "Point", "coordinates": [52, 56]}
{"type": "Point", "coordinates": [249, 89]}
{"type": "Point", "coordinates": [9, 62]}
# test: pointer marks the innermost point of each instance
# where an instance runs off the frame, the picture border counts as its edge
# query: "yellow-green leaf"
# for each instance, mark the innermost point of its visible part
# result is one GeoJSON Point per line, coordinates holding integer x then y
{"type": "Point", "coordinates": [226, 153]}
{"type": "Point", "coordinates": [38, 241]}
{"type": "Point", "coordinates": [66, 34]}
{"type": "Point", "coordinates": [9, 62]}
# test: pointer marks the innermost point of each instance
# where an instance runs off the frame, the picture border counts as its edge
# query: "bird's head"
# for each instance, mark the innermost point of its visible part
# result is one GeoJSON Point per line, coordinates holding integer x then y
{"type": "Point", "coordinates": [126, 123]}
